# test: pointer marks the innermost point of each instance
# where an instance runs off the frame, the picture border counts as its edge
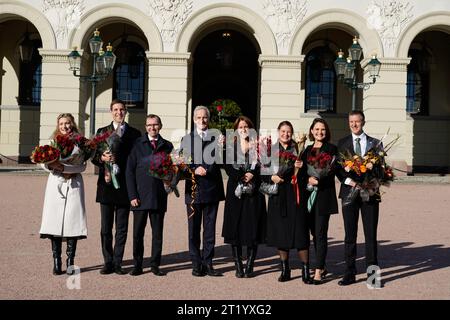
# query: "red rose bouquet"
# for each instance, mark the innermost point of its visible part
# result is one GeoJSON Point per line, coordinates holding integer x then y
{"type": "Point", "coordinates": [319, 165]}
{"type": "Point", "coordinates": [44, 154]}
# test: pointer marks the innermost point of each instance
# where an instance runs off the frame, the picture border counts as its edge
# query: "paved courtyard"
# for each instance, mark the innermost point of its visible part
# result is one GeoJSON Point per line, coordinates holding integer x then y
{"type": "Point", "coordinates": [414, 253]}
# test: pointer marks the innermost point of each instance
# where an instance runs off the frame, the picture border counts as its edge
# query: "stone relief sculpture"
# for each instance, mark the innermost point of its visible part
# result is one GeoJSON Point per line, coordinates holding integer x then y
{"type": "Point", "coordinates": [63, 15]}
{"type": "Point", "coordinates": [169, 16]}
{"type": "Point", "coordinates": [284, 16]}
{"type": "Point", "coordinates": [389, 18]}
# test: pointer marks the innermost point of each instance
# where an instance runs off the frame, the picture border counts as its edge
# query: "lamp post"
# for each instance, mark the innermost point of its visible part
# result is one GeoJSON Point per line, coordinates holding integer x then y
{"type": "Point", "coordinates": [102, 65]}
{"type": "Point", "coordinates": [345, 69]}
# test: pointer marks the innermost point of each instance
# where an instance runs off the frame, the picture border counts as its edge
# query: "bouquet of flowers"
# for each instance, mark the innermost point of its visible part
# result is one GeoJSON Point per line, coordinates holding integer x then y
{"type": "Point", "coordinates": [162, 167]}
{"type": "Point", "coordinates": [319, 165]}
{"type": "Point", "coordinates": [108, 141]}
{"type": "Point", "coordinates": [44, 154]}
{"type": "Point", "coordinates": [370, 171]}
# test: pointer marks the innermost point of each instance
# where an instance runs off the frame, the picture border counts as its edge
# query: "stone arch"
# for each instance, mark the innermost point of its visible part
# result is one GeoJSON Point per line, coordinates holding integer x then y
{"type": "Point", "coordinates": [233, 13]}
{"type": "Point", "coordinates": [10, 10]}
{"type": "Point", "coordinates": [113, 13]}
{"type": "Point", "coordinates": [340, 19]}
{"type": "Point", "coordinates": [439, 21]}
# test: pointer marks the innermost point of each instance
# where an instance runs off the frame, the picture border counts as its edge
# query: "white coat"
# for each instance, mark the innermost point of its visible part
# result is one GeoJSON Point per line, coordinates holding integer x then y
{"type": "Point", "coordinates": [64, 213]}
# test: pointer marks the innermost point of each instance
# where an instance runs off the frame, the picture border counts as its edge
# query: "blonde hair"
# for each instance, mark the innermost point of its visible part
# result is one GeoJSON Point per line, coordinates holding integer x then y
{"type": "Point", "coordinates": [72, 124]}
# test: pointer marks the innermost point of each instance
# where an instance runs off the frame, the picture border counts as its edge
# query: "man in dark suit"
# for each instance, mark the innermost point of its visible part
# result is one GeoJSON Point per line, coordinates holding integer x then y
{"type": "Point", "coordinates": [114, 203]}
{"type": "Point", "coordinates": [147, 194]}
{"type": "Point", "coordinates": [199, 146]}
{"type": "Point", "coordinates": [357, 143]}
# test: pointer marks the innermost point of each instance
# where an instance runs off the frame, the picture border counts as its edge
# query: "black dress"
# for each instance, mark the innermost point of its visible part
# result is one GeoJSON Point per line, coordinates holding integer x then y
{"type": "Point", "coordinates": [244, 220]}
{"type": "Point", "coordinates": [287, 224]}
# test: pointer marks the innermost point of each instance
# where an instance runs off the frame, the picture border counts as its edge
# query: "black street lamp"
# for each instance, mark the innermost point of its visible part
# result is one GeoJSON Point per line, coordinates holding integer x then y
{"type": "Point", "coordinates": [345, 69]}
{"type": "Point", "coordinates": [102, 65]}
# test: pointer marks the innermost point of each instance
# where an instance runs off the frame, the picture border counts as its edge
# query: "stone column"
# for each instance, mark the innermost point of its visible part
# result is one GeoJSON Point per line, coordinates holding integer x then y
{"type": "Point", "coordinates": [60, 92]}
{"type": "Point", "coordinates": [168, 92]}
{"type": "Point", "coordinates": [281, 94]}
{"type": "Point", "coordinates": [385, 108]}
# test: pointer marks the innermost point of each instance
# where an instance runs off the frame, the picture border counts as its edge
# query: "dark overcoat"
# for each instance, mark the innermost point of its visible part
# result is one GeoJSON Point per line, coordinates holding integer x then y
{"type": "Point", "coordinates": [140, 183]}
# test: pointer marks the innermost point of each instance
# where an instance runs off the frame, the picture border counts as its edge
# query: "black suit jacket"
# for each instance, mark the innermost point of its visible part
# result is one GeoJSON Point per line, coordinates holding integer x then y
{"type": "Point", "coordinates": [106, 193]}
{"type": "Point", "coordinates": [209, 187]}
{"type": "Point", "coordinates": [346, 144]}
{"type": "Point", "coordinates": [140, 185]}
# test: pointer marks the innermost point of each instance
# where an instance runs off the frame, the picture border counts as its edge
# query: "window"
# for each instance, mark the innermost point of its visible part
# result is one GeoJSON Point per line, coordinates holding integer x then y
{"type": "Point", "coordinates": [417, 85]}
{"type": "Point", "coordinates": [129, 74]}
{"type": "Point", "coordinates": [320, 80]}
{"type": "Point", "coordinates": [30, 78]}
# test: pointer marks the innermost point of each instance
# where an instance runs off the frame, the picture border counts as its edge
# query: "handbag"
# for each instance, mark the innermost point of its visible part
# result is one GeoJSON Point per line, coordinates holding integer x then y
{"type": "Point", "coordinates": [268, 188]}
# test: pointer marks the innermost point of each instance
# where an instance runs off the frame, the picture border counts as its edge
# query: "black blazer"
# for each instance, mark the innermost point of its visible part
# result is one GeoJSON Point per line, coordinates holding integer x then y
{"type": "Point", "coordinates": [326, 200]}
{"type": "Point", "coordinates": [106, 193]}
{"type": "Point", "coordinates": [346, 144]}
{"type": "Point", "coordinates": [209, 187]}
{"type": "Point", "coordinates": [149, 190]}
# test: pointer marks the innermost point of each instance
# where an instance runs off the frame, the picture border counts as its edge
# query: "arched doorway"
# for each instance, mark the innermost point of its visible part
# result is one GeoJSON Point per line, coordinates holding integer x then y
{"type": "Point", "coordinates": [226, 67]}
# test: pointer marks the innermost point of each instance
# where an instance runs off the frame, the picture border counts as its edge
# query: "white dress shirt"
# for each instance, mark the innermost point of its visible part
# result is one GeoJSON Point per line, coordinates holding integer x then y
{"type": "Point", "coordinates": [122, 128]}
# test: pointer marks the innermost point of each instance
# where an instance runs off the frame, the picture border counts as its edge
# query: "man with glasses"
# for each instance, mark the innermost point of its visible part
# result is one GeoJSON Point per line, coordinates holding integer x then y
{"type": "Point", "coordinates": [148, 197]}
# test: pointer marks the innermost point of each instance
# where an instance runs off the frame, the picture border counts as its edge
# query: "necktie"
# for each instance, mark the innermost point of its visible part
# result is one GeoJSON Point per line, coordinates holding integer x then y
{"type": "Point", "coordinates": [202, 136]}
{"type": "Point", "coordinates": [153, 142]}
{"type": "Point", "coordinates": [358, 147]}
{"type": "Point", "coordinates": [119, 130]}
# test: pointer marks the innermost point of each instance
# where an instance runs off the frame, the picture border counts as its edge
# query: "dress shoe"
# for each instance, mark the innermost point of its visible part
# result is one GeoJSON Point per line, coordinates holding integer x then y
{"type": "Point", "coordinates": [211, 272]}
{"type": "Point", "coordinates": [119, 270]}
{"type": "Point", "coordinates": [107, 269]}
{"type": "Point", "coordinates": [347, 280]}
{"type": "Point", "coordinates": [136, 271]}
{"type": "Point", "coordinates": [198, 272]}
{"type": "Point", "coordinates": [157, 272]}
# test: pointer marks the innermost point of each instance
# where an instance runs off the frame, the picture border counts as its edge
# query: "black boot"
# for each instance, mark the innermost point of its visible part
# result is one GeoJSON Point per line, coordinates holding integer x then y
{"type": "Point", "coordinates": [285, 271]}
{"type": "Point", "coordinates": [70, 251]}
{"type": "Point", "coordinates": [237, 256]}
{"type": "Point", "coordinates": [306, 277]}
{"type": "Point", "coordinates": [56, 250]}
{"type": "Point", "coordinates": [251, 256]}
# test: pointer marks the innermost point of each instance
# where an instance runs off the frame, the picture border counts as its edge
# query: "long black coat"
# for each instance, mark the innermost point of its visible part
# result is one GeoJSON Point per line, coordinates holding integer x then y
{"type": "Point", "coordinates": [346, 145]}
{"type": "Point", "coordinates": [209, 187]}
{"type": "Point", "coordinates": [287, 223]}
{"type": "Point", "coordinates": [244, 221]}
{"type": "Point", "coordinates": [106, 193]}
{"type": "Point", "coordinates": [140, 184]}
{"type": "Point", "coordinates": [326, 201]}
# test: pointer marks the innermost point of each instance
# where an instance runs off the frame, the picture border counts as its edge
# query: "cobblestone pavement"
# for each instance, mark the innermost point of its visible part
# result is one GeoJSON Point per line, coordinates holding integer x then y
{"type": "Point", "coordinates": [414, 252]}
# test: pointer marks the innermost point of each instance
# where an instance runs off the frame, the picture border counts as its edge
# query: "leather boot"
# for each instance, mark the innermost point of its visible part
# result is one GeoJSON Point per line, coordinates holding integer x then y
{"type": "Point", "coordinates": [237, 256]}
{"type": "Point", "coordinates": [56, 250]}
{"type": "Point", "coordinates": [306, 277]}
{"type": "Point", "coordinates": [285, 271]}
{"type": "Point", "coordinates": [70, 251]}
{"type": "Point", "coordinates": [251, 256]}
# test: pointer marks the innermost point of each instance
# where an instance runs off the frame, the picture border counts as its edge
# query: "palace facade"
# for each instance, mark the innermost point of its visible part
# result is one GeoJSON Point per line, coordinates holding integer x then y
{"type": "Point", "coordinates": [274, 58]}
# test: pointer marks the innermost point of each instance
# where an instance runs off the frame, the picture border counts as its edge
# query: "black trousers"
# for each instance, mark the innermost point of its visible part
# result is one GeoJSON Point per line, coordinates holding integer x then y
{"type": "Point", "coordinates": [207, 212]}
{"type": "Point", "coordinates": [119, 214]}
{"type": "Point", "coordinates": [318, 225]}
{"type": "Point", "coordinates": [369, 213]}
{"type": "Point", "coordinates": [139, 224]}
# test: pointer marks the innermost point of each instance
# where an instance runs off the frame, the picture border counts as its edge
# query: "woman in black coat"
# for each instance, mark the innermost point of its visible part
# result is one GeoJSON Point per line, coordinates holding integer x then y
{"type": "Point", "coordinates": [287, 225]}
{"type": "Point", "coordinates": [325, 202]}
{"type": "Point", "coordinates": [245, 208]}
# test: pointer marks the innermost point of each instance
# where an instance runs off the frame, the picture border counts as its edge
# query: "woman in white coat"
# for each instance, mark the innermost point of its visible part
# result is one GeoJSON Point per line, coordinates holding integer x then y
{"type": "Point", "coordinates": [64, 214]}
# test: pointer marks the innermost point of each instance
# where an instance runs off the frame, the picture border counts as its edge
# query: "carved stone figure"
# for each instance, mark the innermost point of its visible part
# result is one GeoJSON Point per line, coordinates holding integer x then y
{"type": "Point", "coordinates": [389, 18]}
{"type": "Point", "coordinates": [169, 16]}
{"type": "Point", "coordinates": [64, 15]}
{"type": "Point", "coordinates": [284, 16]}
